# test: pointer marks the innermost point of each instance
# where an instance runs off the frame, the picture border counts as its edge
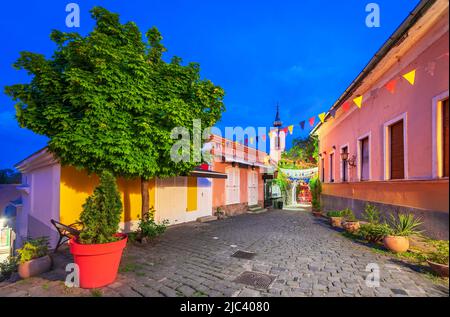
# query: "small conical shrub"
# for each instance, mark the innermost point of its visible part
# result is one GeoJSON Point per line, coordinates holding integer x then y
{"type": "Point", "coordinates": [101, 212]}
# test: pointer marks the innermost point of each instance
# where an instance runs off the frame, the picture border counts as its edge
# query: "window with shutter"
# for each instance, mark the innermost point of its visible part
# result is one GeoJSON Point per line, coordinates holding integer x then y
{"type": "Point", "coordinates": [331, 167]}
{"type": "Point", "coordinates": [323, 170]}
{"type": "Point", "coordinates": [365, 157]}
{"type": "Point", "coordinates": [344, 166]}
{"type": "Point", "coordinates": [397, 158]}
{"type": "Point", "coordinates": [445, 137]}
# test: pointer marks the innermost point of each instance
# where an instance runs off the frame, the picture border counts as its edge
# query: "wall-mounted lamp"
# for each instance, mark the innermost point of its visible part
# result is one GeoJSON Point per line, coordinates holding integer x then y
{"type": "Point", "coordinates": [351, 161]}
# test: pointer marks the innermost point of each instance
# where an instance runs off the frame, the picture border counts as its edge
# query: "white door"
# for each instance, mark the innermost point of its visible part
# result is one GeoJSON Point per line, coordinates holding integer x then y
{"type": "Point", "coordinates": [171, 199]}
{"type": "Point", "coordinates": [252, 188]}
{"type": "Point", "coordinates": [204, 198]}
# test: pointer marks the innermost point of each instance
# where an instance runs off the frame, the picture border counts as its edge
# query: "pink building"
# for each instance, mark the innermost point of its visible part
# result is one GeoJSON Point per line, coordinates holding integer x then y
{"type": "Point", "coordinates": [393, 150]}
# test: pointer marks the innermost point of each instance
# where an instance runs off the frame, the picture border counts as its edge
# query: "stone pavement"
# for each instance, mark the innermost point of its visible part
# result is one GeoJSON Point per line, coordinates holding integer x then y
{"type": "Point", "coordinates": [305, 255]}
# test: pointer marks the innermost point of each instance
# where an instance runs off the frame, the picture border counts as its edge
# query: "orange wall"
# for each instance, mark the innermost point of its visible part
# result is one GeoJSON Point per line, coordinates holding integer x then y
{"type": "Point", "coordinates": [77, 185]}
{"type": "Point", "coordinates": [429, 195]}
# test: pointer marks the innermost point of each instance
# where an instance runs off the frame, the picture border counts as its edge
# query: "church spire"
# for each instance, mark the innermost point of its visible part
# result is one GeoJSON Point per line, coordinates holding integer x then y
{"type": "Point", "coordinates": [277, 122]}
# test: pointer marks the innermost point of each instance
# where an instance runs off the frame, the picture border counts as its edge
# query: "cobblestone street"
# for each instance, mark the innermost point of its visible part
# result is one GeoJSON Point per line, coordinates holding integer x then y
{"type": "Point", "coordinates": [306, 257]}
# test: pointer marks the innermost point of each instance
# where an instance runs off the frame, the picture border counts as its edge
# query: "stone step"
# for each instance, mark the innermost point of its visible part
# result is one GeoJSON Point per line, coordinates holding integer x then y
{"type": "Point", "coordinates": [206, 218]}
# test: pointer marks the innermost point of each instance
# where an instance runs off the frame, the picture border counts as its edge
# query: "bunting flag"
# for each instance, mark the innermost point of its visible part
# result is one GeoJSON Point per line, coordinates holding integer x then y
{"type": "Point", "coordinates": [390, 86]}
{"type": "Point", "coordinates": [312, 120]}
{"type": "Point", "coordinates": [251, 140]}
{"type": "Point", "coordinates": [322, 117]}
{"type": "Point", "coordinates": [333, 113]}
{"type": "Point", "coordinates": [291, 129]}
{"type": "Point", "coordinates": [358, 101]}
{"type": "Point", "coordinates": [246, 141]}
{"type": "Point", "coordinates": [263, 137]}
{"type": "Point", "coordinates": [285, 130]}
{"type": "Point", "coordinates": [302, 124]}
{"type": "Point", "coordinates": [346, 106]}
{"type": "Point", "coordinates": [410, 77]}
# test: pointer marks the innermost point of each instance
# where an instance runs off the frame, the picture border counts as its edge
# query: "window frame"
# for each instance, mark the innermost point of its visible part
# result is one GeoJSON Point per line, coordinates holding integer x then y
{"type": "Point", "coordinates": [437, 130]}
{"type": "Point", "coordinates": [341, 172]}
{"type": "Point", "coordinates": [359, 166]}
{"type": "Point", "coordinates": [387, 147]}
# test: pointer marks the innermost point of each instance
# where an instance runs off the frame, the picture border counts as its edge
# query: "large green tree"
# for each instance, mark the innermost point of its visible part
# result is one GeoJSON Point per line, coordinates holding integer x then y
{"type": "Point", "coordinates": [108, 100]}
{"type": "Point", "coordinates": [304, 149]}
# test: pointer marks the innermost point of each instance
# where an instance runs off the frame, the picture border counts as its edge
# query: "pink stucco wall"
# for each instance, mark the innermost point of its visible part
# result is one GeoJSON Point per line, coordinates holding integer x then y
{"type": "Point", "coordinates": [380, 106]}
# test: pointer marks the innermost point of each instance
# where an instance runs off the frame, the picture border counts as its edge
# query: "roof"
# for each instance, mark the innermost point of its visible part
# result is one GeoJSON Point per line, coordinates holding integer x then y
{"type": "Point", "coordinates": [394, 40]}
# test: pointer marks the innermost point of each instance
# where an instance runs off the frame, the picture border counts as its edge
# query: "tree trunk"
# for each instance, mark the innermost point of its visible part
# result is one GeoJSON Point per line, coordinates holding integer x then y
{"type": "Point", "coordinates": [145, 196]}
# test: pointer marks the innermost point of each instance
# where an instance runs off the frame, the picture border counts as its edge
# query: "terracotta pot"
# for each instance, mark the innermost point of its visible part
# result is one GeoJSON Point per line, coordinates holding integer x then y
{"type": "Point", "coordinates": [351, 226]}
{"type": "Point", "coordinates": [439, 269]}
{"type": "Point", "coordinates": [396, 244]}
{"type": "Point", "coordinates": [336, 222]}
{"type": "Point", "coordinates": [98, 263]}
{"type": "Point", "coordinates": [35, 267]}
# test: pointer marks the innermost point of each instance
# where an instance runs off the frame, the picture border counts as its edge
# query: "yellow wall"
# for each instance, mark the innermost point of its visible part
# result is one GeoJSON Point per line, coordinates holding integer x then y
{"type": "Point", "coordinates": [76, 186]}
{"type": "Point", "coordinates": [192, 194]}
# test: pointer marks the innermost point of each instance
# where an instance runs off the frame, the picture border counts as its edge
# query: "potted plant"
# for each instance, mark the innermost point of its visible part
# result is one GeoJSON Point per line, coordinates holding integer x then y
{"type": "Point", "coordinates": [220, 213]}
{"type": "Point", "coordinates": [335, 218]}
{"type": "Point", "coordinates": [316, 189]}
{"type": "Point", "coordinates": [98, 249]}
{"type": "Point", "coordinates": [350, 224]}
{"type": "Point", "coordinates": [374, 232]}
{"type": "Point", "coordinates": [34, 258]}
{"type": "Point", "coordinates": [438, 260]}
{"type": "Point", "coordinates": [402, 228]}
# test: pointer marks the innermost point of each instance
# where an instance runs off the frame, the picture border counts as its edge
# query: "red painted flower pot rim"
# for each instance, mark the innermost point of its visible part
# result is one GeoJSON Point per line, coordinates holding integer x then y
{"type": "Point", "coordinates": [77, 248]}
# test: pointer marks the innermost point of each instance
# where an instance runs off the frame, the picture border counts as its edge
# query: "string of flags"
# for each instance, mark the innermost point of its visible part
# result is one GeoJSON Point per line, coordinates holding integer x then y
{"type": "Point", "coordinates": [358, 100]}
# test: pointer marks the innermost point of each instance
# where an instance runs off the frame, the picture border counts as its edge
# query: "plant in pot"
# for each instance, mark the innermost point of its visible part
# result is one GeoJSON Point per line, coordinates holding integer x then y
{"type": "Point", "coordinates": [34, 258]}
{"type": "Point", "coordinates": [98, 249]}
{"type": "Point", "coordinates": [350, 224]}
{"type": "Point", "coordinates": [315, 187]}
{"type": "Point", "coordinates": [374, 232]}
{"type": "Point", "coordinates": [335, 218]}
{"type": "Point", "coordinates": [402, 227]}
{"type": "Point", "coordinates": [7, 268]}
{"type": "Point", "coordinates": [220, 213]}
{"type": "Point", "coordinates": [438, 259]}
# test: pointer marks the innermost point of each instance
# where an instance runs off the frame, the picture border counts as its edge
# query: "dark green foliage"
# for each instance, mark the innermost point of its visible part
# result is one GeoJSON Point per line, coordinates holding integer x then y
{"type": "Point", "coordinates": [440, 254]}
{"type": "Point", "coordinates": [316, 189]}
{"type": "Point", "coordinates": [405, 225]}
{"type": "Point", "coordinates": [101, 212]}
{"type": "Point", "coordinates": [148, 228]}
{"type": "Point", "coordinates": [108, 101]}
{"type": "Point", "coordinates": [304, 149]}
{"type": "Point", "coordinates": [348, 215]}
{"type": "Point", "coordinates": [334, 214]}
{"type": "Point", "coordinates": [8, 267]}
{"type": "Point", "coordinates": [374, 232]}
{"type": "Point", "coordinates": [33, 249]}
{"type": "Point", "coordinates": [371, 214]}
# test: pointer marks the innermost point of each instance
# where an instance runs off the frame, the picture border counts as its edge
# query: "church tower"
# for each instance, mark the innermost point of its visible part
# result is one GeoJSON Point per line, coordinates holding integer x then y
{"type": "Point", "coordinates": [277, 138]}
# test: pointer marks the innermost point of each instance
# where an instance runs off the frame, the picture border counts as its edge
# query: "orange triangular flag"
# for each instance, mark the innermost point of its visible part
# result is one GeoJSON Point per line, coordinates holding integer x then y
{"type": "Point", "coordinates": [391, 85]}
{"type": "Point", "coordinates": [346, 106]}
{"type": "Point", "coordinates": [311, 120]}
{"type": "Point", "coordinates": [358, 101]}
{"type": "Point", "coordinates": [322, 117]}
{"type": "Point", "coordinates": [410, 77]}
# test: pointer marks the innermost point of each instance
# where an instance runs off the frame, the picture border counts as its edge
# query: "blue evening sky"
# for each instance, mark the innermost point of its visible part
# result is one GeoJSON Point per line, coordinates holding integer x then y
{"type": "Point", "coordinates": [302, 54]}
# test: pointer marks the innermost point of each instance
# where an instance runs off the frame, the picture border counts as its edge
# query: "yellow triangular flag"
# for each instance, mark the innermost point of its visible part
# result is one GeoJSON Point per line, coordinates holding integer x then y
{"type": "Point", "coordinates": [358, 101]}
{"type": "Point", "coordinates": [291, 129]}
{"type": "Point", "coordinates": [322, 117]}
{"type": "Point", "coordinates": [410, 77]}
{"type": "Point", "coordinates": [251, 140]}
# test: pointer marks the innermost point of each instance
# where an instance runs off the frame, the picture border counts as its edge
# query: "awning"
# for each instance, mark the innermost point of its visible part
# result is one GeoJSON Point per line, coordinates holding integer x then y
{"type": "Point", "coordinates": [207, 174]}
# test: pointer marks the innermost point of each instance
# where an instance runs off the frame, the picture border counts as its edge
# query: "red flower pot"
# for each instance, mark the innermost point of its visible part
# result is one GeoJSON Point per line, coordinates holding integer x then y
{"type": "Point", "coordinates": [98, 263]}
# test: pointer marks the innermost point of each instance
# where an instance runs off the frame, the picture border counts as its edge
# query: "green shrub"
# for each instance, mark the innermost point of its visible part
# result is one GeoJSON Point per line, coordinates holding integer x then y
{"type": "Point", "coordinates": [334, 213]}
{"type": "Point", "coordinates": [374, 232]}
{"type": "Point", "coordinates": [441, 254]}
{"type": "Point", "coordinates": [7, 268]}
{"type": "Point", "coordinates": [101, 212]}
{"type": "Point", "coordinates": [33, 249]}
{"type": "Point", "coordinates": [371, 214]}
{"type": "Point", "coordinates": [149, 228]}
{"type": "Point", "coordinates": [315, 187]}
{"type": "Point", "coordinates": [405, 225]}
{"type": "Point", "coordinates": [348, 214]}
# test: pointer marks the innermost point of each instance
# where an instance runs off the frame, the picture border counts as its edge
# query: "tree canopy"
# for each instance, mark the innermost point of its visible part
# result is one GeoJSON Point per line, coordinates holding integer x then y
{"type": "Point", "coordinates": [304, 153]}
{"type": "Point", "coordinates": [108, 100]}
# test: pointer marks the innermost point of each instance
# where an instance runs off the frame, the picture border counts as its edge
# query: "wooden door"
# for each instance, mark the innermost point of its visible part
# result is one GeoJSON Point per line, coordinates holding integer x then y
{"type": "Point", "coordinates": [445, 137]}
{"type": "Point", "coordinates": [171, 199]}
{"type": "Point", "coordinates": [252, 188]}
{"type": "Point", "coordinates": [365, 166]}
{"type": "Point", "coordinates": [397, 151]}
